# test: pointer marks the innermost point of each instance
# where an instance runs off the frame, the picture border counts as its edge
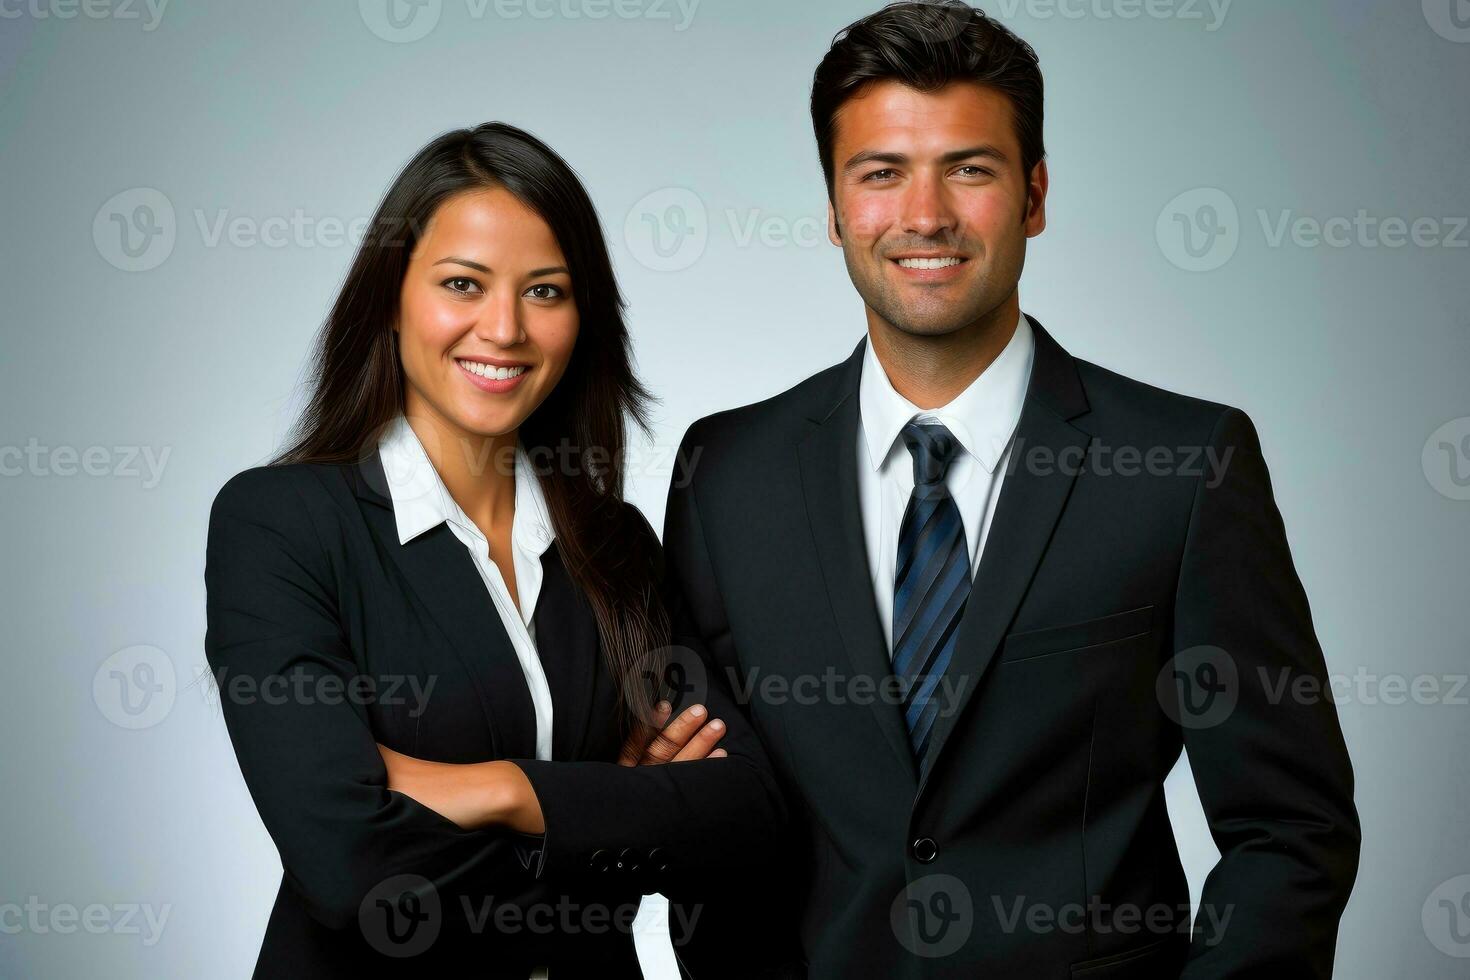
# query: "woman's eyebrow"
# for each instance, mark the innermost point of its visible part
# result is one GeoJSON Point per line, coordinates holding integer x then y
{"type": "Point", "coordinates": [456, 260]}
{"type": "Point", "coordinates": [465, 262]}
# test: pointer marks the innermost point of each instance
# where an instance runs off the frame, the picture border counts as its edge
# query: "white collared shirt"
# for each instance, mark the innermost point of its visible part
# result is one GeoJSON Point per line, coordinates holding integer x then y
{"type": "Point", "coordinates": [983, 420]}
{"type": "Point", "coordinates": [421, 501]}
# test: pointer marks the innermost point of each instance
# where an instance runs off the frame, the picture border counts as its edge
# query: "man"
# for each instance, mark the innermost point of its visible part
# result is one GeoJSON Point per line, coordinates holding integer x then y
{"type": "Point", "coordinates": [978, 594]}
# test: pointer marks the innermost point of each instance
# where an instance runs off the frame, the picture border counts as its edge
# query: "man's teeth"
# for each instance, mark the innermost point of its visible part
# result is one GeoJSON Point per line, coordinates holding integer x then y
{"type": "Point", "coordinates": [493, 372]}
{"type": "Point", "coordinates": [943, 263]}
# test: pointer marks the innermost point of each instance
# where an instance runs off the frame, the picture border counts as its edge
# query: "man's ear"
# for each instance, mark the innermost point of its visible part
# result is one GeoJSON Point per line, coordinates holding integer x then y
{"type": "Point", "coordinates": [1034, 221]}
{"type": "Point", "coordinates": [834, 230]}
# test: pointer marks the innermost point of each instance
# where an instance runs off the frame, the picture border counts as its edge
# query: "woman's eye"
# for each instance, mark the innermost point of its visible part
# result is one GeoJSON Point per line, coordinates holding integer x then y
{"type": "Point", "coordinates": [545, 291]}
{"type": "Point", "coordinates": [461, 284]}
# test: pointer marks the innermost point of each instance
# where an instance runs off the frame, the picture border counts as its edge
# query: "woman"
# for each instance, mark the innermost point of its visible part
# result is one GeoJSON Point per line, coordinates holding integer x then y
{"type": "Point", "coordinates": [431, 617]}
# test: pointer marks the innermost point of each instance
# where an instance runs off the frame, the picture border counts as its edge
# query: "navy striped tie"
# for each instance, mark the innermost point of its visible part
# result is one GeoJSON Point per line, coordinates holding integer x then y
{"type": "Point", "coordinates": [930, 583]}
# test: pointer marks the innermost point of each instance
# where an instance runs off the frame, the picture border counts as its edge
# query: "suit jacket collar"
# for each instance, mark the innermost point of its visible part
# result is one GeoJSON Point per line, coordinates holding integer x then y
{"type": "Point", "coordinates": [982, 418]}
{"type": "Point", "coordinates": [442, 576]}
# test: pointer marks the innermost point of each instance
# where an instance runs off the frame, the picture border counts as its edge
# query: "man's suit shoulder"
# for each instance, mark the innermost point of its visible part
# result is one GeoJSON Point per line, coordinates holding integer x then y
{"type": "Point", "coordinates": [1116, 402]}
{"type": "Point", "coordinates": [1126, 408]}
{"type": "Point", "coordinates": [756, 428]}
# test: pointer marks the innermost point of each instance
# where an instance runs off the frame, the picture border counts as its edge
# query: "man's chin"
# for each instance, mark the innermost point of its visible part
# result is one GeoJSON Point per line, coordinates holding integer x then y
{"type": "Point", "coordinates": [929, 323]}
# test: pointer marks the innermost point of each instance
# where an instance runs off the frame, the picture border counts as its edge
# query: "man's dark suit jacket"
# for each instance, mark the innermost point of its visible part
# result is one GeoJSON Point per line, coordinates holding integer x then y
{"type": "Point", "coordinates": [1133, 598]}
{"type": "Point", "coordinates": [310, 592]}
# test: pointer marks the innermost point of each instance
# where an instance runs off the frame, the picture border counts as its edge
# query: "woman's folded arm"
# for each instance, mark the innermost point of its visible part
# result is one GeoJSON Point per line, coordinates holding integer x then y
{"type": "Point", "coordinates": [275, 646]}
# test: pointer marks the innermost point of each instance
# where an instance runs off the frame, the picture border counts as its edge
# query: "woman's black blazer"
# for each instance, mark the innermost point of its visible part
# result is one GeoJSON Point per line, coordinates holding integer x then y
{"type": "Point", "coordinates": [326, 636]}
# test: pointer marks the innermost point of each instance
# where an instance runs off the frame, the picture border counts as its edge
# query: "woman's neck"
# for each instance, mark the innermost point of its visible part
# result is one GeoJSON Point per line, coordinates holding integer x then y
{"type": "Point", "coordinates": [477, 470]}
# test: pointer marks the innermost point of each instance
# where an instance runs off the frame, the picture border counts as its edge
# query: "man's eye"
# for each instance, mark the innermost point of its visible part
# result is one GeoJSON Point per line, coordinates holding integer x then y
{"type": "Point", "coordinates": [460, 284]}
{"type": "Point", "coordinates": [545, 291]}
{"type": "Point", "coordinates": [883, 174]}
{"type": "Point", "coordinates": [975, 171]}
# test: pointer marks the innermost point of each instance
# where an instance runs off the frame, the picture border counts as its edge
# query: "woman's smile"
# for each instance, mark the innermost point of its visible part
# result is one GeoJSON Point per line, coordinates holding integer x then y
{"type": "Point", "coordinates": [494, 378]}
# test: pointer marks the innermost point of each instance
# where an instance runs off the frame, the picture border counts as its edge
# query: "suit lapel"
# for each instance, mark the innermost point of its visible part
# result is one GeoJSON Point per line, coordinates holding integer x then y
{"type": "Point", "coordinates": [443, 577]}
{"type": "Point", "coordinates": [829, 482]}
{"type": "Point", "coordinates": [567, 639]}
{"type": "Point", "coordinates": [1046, 457]}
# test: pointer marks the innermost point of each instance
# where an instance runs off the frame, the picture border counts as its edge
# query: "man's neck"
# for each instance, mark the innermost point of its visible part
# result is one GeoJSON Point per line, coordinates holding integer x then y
{"type": "Point", "coordinates": [931, 371]}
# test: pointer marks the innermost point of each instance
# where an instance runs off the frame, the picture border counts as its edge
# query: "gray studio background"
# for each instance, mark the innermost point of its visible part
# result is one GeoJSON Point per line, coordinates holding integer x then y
{"type": "Point", "coordinates": [1263, 203]}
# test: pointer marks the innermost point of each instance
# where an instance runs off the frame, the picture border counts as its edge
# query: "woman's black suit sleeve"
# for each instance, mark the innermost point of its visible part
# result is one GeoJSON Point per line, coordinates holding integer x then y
{"type": "Point", "coordinates": [276, 648]}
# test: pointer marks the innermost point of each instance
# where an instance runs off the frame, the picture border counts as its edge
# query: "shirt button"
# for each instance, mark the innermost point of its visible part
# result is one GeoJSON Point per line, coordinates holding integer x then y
{"type": "Point", "coordinates": [924, 850]}
{"type": "Point", "coordinates": [600, 860]}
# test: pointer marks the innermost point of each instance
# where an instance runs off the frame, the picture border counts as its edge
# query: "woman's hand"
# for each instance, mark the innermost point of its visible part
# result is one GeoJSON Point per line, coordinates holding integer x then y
{"type": "Point", "coordinates": [473, 795]}
{"type": "Point", "coordinates": [689, 737]}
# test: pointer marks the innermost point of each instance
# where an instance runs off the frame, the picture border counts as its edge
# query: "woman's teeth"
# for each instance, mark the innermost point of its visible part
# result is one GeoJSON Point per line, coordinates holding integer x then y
{"type": "Point", "coordinates": [491, 371]}
{"type": "Point", "coordinates": [943, 263]}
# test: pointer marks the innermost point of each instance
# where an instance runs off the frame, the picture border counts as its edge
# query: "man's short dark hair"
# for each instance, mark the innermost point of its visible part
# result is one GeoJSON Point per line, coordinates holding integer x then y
{"type": "Point", "coordinates": [927, 44]}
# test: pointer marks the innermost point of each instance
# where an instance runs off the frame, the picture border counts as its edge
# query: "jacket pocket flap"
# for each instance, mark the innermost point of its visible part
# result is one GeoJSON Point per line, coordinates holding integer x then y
{"type": "Point", "coordinates": [1153, 961]}
{"type": "Point", "coordinates": [1077, 636]}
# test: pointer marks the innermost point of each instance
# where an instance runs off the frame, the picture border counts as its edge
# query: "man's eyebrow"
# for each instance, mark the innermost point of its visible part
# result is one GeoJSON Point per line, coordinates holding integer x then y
{"type": "Point", "coordinates": [872, 156]}
{"type": "Point", "coordinates": [987, 150]}
{"type": "Point", "coordinates": [456, 260]}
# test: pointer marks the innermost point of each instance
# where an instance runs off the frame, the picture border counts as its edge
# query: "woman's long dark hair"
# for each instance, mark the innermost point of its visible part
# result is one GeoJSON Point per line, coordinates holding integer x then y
{"type": "Point", "coordinates": [358, 383]}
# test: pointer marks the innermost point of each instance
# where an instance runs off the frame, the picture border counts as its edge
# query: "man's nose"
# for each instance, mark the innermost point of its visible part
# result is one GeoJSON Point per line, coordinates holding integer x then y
{"type": "Point", "coordinates": [927, 211]}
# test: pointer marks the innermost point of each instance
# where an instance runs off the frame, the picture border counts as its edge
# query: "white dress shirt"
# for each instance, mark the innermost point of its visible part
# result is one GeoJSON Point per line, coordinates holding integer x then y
{"type": "Point", "coordinates": [983, 420]}
{"type": "Point", "coordinates": [421, 501]}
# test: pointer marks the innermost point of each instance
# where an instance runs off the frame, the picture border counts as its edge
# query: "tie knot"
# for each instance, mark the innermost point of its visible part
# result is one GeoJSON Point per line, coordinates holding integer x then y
{"type": "Point", "coordinates": [933, 448]}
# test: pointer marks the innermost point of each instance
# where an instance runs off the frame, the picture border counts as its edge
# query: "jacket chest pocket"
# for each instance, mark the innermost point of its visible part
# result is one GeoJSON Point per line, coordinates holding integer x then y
{"type": "Point", "coordinates": [1076, 637]}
